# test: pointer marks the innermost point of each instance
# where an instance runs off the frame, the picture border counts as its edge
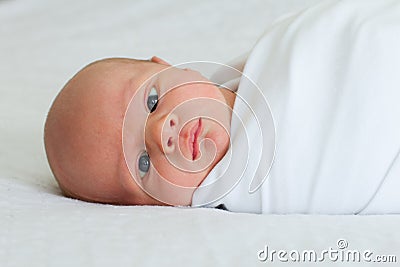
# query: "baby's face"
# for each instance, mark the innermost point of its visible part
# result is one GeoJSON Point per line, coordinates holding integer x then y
{"type": "Point", "coordinates": [161, 132]}
{"type": "Point", "coordinates": [175, 131]}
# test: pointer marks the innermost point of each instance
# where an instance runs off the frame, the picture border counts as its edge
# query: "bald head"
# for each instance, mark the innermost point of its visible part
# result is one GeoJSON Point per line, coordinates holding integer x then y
{"type": "Point", "coordinates": [83, 134]}
{"type": "Point", "coordinates": [92, 161]}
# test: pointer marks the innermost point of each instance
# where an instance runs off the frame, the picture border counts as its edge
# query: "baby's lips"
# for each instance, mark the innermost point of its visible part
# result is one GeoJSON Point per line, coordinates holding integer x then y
{"type": "Point", "coordinates": [188, 137]}
{"type": "Point", "coordinates": [197, 133]}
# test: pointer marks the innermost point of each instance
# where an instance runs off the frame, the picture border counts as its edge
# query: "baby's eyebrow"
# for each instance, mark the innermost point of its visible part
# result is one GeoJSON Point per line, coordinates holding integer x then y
{"type": "Point", "coordinates": [134, 121]}
{"type": "Point", "coordinates": [127, 92]}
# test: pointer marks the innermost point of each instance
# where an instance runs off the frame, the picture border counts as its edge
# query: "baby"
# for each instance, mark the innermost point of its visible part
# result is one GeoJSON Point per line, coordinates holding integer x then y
{"type": "Point", "coordinates": [84, 140]}
{"type": "Point", "coordinates": [127, 131]}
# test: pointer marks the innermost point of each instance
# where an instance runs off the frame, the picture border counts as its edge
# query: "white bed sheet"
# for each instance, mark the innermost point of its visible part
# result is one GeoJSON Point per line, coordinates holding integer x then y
{"type": "Point", "coordinates": [42, 44]}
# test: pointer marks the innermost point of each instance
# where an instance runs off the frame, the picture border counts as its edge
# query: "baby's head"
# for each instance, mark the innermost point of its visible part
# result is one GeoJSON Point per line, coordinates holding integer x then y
{"type": "Point", "coordinates": [136, 132]}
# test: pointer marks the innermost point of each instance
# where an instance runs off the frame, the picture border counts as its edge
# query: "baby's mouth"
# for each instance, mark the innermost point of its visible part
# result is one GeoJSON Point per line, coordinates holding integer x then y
{"type": "Point", "coordinates": [194, 142]}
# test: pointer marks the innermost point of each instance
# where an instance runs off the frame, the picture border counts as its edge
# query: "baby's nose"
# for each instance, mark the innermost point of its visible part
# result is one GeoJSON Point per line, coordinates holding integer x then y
{"type": "Point", "coordinates": [164, 133]}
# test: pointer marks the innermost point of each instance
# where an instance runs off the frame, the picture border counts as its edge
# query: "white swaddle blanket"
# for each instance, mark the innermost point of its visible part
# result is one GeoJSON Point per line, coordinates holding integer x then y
{"type": "Point", "coordinates": [331, 75]}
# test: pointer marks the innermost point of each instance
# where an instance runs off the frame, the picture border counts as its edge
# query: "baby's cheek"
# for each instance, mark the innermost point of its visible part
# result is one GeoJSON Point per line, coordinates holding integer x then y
{"type": "Point", "coordinates": [165, 169]}
{"type": "Point", "coordinates": [178, 176]}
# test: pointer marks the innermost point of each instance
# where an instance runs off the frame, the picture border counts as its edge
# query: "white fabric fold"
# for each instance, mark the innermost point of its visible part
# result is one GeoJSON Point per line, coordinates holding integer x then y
{"type": "Point", "coordinates": [331, 74]}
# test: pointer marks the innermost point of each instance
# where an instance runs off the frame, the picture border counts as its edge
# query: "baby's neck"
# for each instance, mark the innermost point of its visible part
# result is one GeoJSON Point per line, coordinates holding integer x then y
{"type": "Point", "coordinates": [229, 97]}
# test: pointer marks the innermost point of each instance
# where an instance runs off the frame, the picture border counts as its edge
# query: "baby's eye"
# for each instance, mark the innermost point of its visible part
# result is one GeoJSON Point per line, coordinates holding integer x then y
{"type": "Point", "coordinates": [143, 164]}
{"type": "Point", "coordinates": [152, 100]}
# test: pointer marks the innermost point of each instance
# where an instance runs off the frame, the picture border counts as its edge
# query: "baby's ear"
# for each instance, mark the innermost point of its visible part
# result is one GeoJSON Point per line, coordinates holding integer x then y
{"type": "Point", "coordinates": [158, 60]}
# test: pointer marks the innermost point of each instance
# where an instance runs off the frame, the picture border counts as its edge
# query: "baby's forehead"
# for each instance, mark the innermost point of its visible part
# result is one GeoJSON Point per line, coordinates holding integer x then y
{"type": "Point", "coordinates": [110, 76]}
{"type": "Point", "coordinates": [105, 69]}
